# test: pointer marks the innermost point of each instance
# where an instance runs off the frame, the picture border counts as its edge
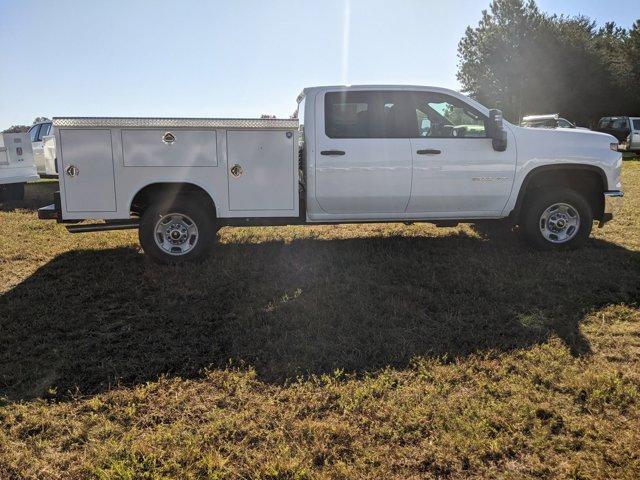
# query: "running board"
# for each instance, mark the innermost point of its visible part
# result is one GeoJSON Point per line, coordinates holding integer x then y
{"type": "Point", "coordinates": [102, 227]}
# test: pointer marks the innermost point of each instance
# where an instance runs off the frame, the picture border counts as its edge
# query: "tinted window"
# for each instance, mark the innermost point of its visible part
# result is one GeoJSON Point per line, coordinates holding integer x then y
{"type": "Point", "coordinates": [562, 123]}
{"type": "Point", "coordinates": [33, 132]}
{"type": "Point", "coordinates": [619, 123]}
{"type": "Point", "coordinates": [347, 115]}
{"type": "Point", "coordinates": [44, 130]}
{"type": "Point", "coordinates": [442, 116]}
{"type": "Point", "coordinates": [636, 124]}
{"type": "Point", "coordinates": [365, 115]}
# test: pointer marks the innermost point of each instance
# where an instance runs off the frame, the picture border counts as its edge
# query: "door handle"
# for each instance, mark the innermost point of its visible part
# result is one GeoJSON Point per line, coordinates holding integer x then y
{"type": "Point", "coordinates": [331, 152]}
{"type": "Point", "coordinates": [429, 151]}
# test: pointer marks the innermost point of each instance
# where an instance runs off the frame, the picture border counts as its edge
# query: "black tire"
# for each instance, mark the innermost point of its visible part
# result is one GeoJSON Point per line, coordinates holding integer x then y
{"type": "Point", "coordinates": [186, 208]}
{"type": "Point", "coordinates": [12, 192]}
{"type": "Point", "coordinates": [542, 200]}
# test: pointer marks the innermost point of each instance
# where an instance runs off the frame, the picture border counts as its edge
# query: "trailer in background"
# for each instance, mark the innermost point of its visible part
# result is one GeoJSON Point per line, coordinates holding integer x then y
{"type": "Point", "coordinates": [17, 165]}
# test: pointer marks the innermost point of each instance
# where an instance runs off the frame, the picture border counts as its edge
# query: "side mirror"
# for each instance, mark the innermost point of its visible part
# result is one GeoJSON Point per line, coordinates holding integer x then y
{"type": "Point", "coordinates": [497, 133]}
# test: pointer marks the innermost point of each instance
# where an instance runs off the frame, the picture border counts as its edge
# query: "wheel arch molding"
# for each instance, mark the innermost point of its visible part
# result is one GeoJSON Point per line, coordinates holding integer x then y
{"type": "Point", "coordinates": [566, 175]}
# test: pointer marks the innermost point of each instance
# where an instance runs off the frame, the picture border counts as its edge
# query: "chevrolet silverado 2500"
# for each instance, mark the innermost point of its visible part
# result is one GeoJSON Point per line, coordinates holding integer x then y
{"type": "Point", "coordinates": [355, 154]}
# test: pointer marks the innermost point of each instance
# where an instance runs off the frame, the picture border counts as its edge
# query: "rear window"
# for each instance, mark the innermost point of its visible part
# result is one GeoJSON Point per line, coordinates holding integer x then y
{"type": "Point", "coordinates": [366, 114]}
{"type": "Point", "coordinates": [636, 124]}
{"type": "Point", "coordinates": [347, 115]}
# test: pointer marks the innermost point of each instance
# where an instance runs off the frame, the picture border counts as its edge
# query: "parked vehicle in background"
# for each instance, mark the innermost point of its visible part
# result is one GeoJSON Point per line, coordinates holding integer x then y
{"type": "Point", "coordinates": [548, 121]}
{"type": "Point", "coordinates": [625, 129]}
{"type": "Point", "coordinates": [357, 154]}
{"type": "Point", "coordinates": [49, 152]}
{"type": "Point", "coordinates": [16, 165]}
{"type": "Point", "coordinates": [43, 144]}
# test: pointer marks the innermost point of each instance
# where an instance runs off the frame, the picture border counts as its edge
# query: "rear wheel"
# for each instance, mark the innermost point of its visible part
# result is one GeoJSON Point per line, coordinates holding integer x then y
{"type": "Point", "coordinates": [178, 231]}
{"type": "Point", "coordinates": [558, 218]}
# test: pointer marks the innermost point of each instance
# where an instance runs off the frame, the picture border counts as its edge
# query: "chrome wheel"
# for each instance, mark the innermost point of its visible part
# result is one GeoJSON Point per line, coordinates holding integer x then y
{"type": "Point", "coordinates": [559, 223]}
{"type": "Point", "coordinates": [176, 233]}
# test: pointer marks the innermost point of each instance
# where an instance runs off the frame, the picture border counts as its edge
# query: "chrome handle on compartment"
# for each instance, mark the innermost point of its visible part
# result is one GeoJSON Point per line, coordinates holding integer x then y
{"type": "Point", "coordinates": [72, 170]}
{"type": "Point", "coordinates": [236, 170]}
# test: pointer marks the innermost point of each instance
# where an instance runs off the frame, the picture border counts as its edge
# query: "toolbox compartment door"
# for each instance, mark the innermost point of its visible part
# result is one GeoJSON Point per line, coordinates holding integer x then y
{"type": "Point", "coordinates": [262, 171]}
{"type": "Point", "coordinates": [189, 148]}
{"type": "Point", "coordinates": [87, 170]}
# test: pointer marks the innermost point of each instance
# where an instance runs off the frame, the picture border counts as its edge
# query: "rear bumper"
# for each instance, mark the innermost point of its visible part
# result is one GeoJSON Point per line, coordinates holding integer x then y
{"type": "Point", "coordinates": [612, 203]}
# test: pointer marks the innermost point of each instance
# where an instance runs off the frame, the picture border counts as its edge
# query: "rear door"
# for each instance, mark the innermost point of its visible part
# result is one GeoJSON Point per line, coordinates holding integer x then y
{"type": "Point", "coordinates": [456, 171]}
{"type": "Point", "coordinates": [363, 156]}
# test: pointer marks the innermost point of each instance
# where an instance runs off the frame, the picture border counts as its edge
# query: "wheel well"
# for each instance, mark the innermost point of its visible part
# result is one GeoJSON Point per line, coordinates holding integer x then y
{"type": "Point", "coordinates": [168, 191]}
{"type": "Point", "coordinates": [589, 181]}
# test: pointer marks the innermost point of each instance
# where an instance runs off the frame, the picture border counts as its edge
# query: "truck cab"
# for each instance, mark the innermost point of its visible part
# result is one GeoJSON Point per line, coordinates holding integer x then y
{"type": "Point", "coordinates": [43, 146]}
{"type": "Point", "coordinates": [380, 153]}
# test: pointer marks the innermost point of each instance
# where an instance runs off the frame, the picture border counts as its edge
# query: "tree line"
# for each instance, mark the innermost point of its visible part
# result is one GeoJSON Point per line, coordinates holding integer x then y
{"type": "Point", "coordinates": [525, 61]}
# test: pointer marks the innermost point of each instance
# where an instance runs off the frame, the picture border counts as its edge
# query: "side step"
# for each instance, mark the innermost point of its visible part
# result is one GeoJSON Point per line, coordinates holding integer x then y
{"type": "Point", "coordinates": [103, 227]}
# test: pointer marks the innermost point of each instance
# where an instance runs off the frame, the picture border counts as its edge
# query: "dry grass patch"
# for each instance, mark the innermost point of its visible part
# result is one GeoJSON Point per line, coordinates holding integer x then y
{"type": "Point", "coordinates": [375, 351]}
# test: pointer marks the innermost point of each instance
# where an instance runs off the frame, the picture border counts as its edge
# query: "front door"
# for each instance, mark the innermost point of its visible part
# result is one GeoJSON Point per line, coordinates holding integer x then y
{"type": "Point", "coordinates": [363, 156]}
{"type": "Point", "coordinates": [36, 146]}
{"type": "Point", "coordinates": [456, 171]}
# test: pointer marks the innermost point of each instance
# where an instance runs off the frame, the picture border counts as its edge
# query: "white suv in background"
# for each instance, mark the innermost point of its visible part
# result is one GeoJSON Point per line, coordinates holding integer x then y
{"type": "Point", "coordinates": [44, 150]}
{"type": "Point", "coordinates": [625, 129]}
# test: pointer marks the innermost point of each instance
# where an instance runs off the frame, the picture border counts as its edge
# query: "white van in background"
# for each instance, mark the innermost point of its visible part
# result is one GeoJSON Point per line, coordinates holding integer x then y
{"type": "Point", "coordinates": [16, 165]}
{"type": "Point", "coordinates": [43, 145]}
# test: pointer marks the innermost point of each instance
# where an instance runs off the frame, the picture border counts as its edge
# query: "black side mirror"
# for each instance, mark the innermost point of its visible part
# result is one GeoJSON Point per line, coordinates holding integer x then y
{"type": "Point", "coordinates": [497, 133]}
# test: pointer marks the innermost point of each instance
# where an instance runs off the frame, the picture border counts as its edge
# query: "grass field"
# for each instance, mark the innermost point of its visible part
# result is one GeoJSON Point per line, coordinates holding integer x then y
{"type": "Point", "coordinates": [363, 351]}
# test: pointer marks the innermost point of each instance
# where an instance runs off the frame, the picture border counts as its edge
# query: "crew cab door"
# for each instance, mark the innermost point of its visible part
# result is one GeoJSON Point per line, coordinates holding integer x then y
{"type": "Point", "coordinates": [456, 171]}
{"type": "Point", "coordinates": [363, 156]}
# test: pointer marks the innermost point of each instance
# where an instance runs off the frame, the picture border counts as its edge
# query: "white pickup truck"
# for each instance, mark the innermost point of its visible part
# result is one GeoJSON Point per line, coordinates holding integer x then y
{"type": "Point", "coordinates": [356, 154]}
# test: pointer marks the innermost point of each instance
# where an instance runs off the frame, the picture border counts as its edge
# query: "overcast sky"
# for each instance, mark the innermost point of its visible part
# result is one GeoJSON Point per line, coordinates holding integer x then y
{"type": "Point", "coordinates": [228, 58]}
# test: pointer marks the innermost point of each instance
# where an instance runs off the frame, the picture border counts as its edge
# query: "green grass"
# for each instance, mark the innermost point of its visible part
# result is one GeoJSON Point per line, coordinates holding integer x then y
{"type": "Point", "coordinates": [349, 351]}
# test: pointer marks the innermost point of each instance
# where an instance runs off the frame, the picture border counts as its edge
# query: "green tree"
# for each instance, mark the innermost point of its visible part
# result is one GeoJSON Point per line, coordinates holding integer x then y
{"type": "Point", "coordinates": [524, 61]}
{"type": "Point", "coordinates": [17, 129]}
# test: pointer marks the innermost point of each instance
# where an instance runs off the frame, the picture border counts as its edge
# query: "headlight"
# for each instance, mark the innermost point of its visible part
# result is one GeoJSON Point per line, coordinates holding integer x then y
{"type": "Point", "coordinates": [614, 146]}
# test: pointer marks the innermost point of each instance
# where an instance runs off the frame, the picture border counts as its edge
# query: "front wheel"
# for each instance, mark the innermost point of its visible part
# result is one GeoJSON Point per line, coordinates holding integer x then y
{"type": "Point", "coordinates": [558, 218]}
{"type": "Point", "coordinates": [177, 232]}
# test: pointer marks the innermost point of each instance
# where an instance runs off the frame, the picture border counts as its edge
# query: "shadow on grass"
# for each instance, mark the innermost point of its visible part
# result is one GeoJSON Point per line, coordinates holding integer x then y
{"type": "Point", "coordinates": [37, 195]}
{"type": "Point", "coordinates": [89, 320]}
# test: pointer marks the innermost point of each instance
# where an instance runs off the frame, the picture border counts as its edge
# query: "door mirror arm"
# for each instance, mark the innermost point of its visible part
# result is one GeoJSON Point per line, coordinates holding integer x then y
{"type": "Point", "coordinates": [497, 132]}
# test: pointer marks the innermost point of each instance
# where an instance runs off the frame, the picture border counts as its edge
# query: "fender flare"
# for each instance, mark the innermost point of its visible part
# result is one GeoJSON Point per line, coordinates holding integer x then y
{"type": "Point", "coordinates": [515, 213]}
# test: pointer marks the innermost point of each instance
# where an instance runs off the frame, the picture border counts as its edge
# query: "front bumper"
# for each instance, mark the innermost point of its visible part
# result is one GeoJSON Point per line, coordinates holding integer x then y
{"type": "Point", "coordinates": [612, 204]}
